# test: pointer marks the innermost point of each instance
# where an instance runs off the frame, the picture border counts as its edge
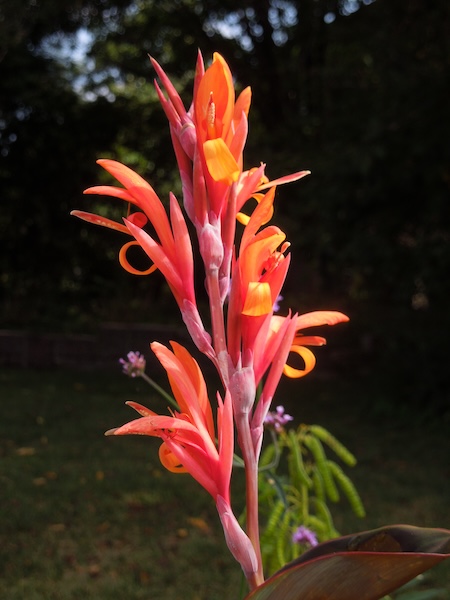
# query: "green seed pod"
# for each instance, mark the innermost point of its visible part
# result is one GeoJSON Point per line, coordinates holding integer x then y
{"type": "Point", "coordinates": [316, 449]}
{"type": "Point", "coordinates": [274, 519]}
{"type": "Point", "coordinates": [348, 488]}
{"type": "Point", "coordinates": [281, 539]}
{"type": "Point", "coordinates": [324, 515]}
{"type": "Point", "coordinates": [317, 525]}
{"type": "Point", "coordinates": [334, 444]}
{"type": "Point", "coordinates": [267, 455]}
{"type": "Point", "coordinates": [318, 484]}
{"type": "Point", "coordinates": [297, 470]}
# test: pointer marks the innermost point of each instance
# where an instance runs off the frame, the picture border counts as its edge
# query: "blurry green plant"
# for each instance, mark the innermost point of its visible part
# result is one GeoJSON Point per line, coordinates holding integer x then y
{"type": "Point", "coordinates": [294, 501]}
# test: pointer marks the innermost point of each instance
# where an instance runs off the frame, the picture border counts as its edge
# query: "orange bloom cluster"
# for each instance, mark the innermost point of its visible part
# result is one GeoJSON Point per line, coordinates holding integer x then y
{"type": "Point", "coordinates": [248, 344]}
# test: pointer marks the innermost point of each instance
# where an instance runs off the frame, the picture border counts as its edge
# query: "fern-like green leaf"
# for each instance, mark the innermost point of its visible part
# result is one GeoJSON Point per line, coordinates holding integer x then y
{"type": "Point", "coordinates": [316, 449]}
{"type": "Point", "coordinates": [334, 444]}
{"type": "Point", "coordinates": [346, 485]}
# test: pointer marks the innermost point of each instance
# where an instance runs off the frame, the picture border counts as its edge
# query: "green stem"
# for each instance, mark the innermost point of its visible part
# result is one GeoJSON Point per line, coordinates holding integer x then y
{"type": "Point", "coordinates": [160, 390]}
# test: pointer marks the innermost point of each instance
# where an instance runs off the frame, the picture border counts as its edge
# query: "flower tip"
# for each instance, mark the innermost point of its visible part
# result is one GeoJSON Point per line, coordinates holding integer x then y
{"type": "Point", "coordinates": [111, 431]}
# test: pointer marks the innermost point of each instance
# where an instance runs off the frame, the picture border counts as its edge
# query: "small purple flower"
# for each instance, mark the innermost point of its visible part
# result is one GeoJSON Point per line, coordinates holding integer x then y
{"type": "Point", "coordinates": [276, 304]}
{"type": "Point", "coordinates": [278, 419]}
{"type": "Point", "coordinates": [134, 366]}
{"type": "Point", "coordinates": [303, 535]}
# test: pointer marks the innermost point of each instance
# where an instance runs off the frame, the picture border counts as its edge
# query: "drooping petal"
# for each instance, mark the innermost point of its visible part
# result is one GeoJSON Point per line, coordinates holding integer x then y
{"type": "Point", "coordinates": [286, 179]}
{"type": "Point", "coordinates": [307, 356]}
{"type": "Point", "coordinates": [98, 220]}
{"type": "Point", "coordinates": [110, 190]}
{"type": "Point", "coordinates": [145, 197]}
{"type": "Point", "coordinates": [320, 317]}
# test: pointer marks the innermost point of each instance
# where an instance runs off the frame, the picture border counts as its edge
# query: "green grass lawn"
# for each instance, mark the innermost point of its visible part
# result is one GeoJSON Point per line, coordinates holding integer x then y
{"type": "Point", "coordinates": [89, 517]}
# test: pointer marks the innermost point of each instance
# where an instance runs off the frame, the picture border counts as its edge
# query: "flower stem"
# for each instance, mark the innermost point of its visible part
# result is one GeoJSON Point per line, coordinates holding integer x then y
{"type": "Point", "coordinates": [160, 390]}
{"type": "Point", "coordinates": [251, 482]}
{"type": "Point", "coordinates": [217, 323]}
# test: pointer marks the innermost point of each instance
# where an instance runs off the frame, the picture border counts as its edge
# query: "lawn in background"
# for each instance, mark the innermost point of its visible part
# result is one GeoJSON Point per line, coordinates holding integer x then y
{"type": "Point", "coordinates": [89, 517]}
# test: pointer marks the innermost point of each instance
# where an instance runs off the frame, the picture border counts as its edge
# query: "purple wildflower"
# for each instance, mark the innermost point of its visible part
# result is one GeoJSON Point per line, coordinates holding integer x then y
{"type": "Point", "coordinates": [134, 366]}
{"type": "Point", "coordinates": [278, 419]}
{"type": "Point", "coordinates": [276, 304]}
{"type": "Point", "coordinates": [303, 535]}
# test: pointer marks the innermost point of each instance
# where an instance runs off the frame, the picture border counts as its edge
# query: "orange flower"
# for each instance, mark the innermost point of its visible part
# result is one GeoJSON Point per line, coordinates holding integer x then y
{"type": "Point", "coordinates": [257, 278]}
{"type": "Point", "coordinates": [188, 435]}
{"type": "Point", "coordinates": [270, 337]}
{"type": "Point", "coordinates": [172, 254]}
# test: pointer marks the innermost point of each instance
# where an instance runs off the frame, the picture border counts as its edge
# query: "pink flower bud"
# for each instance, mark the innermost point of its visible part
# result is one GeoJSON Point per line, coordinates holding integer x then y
{"type": "Point", "coordinates": [194, 325]}
{"type": "Point", "coordinates": [188, 138]}
{"type": "Point", "coordinates": [237, 540]}
{"type": "Point", "coordinates": [211, 246]}
{"type": "Point", "coordinates": [243, 389]}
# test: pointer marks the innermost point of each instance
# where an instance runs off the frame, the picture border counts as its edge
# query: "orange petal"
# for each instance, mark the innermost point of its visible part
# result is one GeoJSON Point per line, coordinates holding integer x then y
{"type": "Point", "coordinates": [243, 103]}
{"type": "Point", "coordinates": [220, 162]}
{"type": "Point", "coordinates": [125, 263]}
{"type": "Point", "coordinates": [169, 460]}
{"type": "Point", "coordinates": [307, 356]}
{"type": "Point", "coordinates": [216, 85]}
{"type": "Point", "coordinates": [285, 179]}
{"type": "Point", "coordinates": [110, 190]}
{"type": "Point", "coordinates": [309, 340]}
{"type": "Point", "coordinates": [320, 317]}
{"type": "Point", "coordinates": [258, 300]}
{"type": "Point", "coordinates": [126, 176]}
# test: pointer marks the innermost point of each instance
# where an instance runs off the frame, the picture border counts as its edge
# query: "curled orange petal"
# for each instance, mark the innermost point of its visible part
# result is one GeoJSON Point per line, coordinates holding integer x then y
{"type": "Point", "coordinates": [169, 460]}
{"type": "Point", "coordinates": [125, 263]}
{"type": "Point", "coordinates": [307, 356]}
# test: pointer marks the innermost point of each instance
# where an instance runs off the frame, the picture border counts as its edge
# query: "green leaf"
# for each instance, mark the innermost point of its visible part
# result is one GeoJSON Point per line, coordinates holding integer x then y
{"type": "Point", "coordinates": [363, 566]}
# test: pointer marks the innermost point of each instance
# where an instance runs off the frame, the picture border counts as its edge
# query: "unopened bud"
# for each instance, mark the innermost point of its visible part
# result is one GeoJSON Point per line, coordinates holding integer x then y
{"type": "Point", "coordinates": [188, 138]}
{"type": "Point", "coordinates": [237, 540]}
{"type": "Point", "coordinates": [243, 389]}
{"type": "Point", "coordinates": [211, 246]}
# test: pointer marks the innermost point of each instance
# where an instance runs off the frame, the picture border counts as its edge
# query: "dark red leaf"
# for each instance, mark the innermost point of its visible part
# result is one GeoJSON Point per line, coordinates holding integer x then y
{"type": "Point", "coordinates": [363, 566]}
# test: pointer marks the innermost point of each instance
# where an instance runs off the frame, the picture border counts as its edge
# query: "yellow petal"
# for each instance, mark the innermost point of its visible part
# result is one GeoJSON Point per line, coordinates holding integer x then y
{"type": "Point", "coordinates": [258, 300]}
{"type": "Point", "coordinates": [220, 162]}
{"type": "Point", "coordinates": [309, 359]}
{"type": "Point", "coordinates": [242, 218]}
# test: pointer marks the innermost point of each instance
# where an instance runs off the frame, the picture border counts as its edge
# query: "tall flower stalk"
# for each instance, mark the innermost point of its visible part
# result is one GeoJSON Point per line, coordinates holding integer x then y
{"type": "Point", "coordinates": [245, 261]}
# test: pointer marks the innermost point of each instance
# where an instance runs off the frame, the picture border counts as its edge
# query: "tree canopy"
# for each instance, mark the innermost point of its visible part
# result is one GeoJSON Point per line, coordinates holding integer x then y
{"type": "Point", "coordinates": [354, 91]}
